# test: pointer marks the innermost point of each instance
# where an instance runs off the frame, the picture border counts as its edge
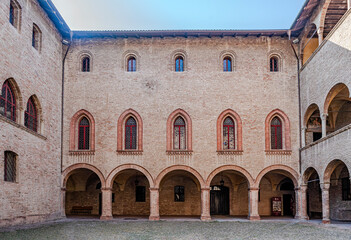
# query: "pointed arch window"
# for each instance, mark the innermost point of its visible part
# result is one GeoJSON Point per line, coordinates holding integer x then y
{"type": "Point", "coordinates": [84, 134]}
{"type": "Point", "coordinates": [179, 134]}
{"type": "Point", "coordinates": [276, 134]}
{"type": "Point", "coordinates": [274, 64]}
{"type": "Point", "coordinates": [131, 134]}
{"type": "Point", "coordinates": [30, 116]}
{"type": "Point", "coordinates": [179, 64]}
{"type": "Point", "coordinates": [8, 102]}
{"type": "Point", "coordinates": [228, 134]}
{"type": "Point", "coordinates": [86, 64]}
{"type": "Point", "coordinates": [36, 37]}
{"type": "Point", "coordinates": [227, 64]}
{"type": "Point", "coordinates": [131, 64]}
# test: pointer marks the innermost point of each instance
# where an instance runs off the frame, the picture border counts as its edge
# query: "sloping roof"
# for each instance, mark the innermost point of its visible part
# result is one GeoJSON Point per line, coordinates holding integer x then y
{"type": "Point", "coordinates": [303, 16]}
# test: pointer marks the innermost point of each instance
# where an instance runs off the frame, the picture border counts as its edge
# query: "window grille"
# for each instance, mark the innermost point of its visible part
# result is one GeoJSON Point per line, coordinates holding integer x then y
{"type": "Point", "coordinates": [86, 64]}
{"type": "Point", "coordinates": [179, 195]}
{"type": "Point", "coordinates": [276, 134]}
{"type": "Point", "coordinates": [131, 64]}
{"type": "Point", "coordinates": [30, 116]}
{"type": "Point", "coordinates": [179, 139]}
{"type": "Point", "coordinates": [346, 192]}
{"type": "Point", "coordinates": [179, 64]}
{"type": "Point", "coordinates": [10, 167]}
{"type": "Point", "coordinates": [140, 193]}
{"type": "Point", "coordinates": [131, 134]}
{"type": "Point", "coordinates": [274, 64]}
{"type": "Point", "coordinates": [84, 134]}
{"type": "Point", "coordinates": [8, 102]}
{"type": "Point", "coordinates": [227, 64]}
{"type": "Point", "coordinates": [228, 134]}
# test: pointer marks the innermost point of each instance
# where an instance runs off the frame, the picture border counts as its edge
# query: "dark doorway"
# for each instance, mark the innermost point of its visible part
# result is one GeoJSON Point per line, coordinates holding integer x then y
{"type": "Point", "coordinates": [288, 202]}
{"type": "Point", "coordinates": [219, 200]}
{"type": "Point", "coordinates": [100, 204]}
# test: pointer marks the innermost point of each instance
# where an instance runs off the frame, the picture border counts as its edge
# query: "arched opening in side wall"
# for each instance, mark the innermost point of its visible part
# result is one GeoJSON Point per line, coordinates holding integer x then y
{"type": "Point", "coordinates": [130, 194]}
{"type": "Point", "coordinates": [180, 194]}
{"type": "Point", "coordinates": [313, 194]}
{"type": "Point", "coordinates": [313, 124]}
{"type": "Point", "coordinates": [83, 193]}
{"type": "Point", "coordinates": [310, 44]}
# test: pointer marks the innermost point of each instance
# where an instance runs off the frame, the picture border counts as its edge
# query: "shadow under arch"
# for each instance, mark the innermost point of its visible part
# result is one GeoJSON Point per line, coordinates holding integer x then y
{"type": "Point", "coordinates": [234, 168]}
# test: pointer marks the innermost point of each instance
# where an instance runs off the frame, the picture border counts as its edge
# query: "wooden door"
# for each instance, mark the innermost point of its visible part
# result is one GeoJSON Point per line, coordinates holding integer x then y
{"type": "Point", "coordinates": [219, 200]}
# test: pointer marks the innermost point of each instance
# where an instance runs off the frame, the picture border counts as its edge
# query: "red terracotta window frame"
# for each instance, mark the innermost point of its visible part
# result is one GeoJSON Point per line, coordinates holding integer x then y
{"type": "Point", "coordinates": [74, 130]}
{"type": "Point", "coordinates": [121, 130]}
{"type": "Point", "coordinates": [286, 141]}
{"type": "Point", "coordinates": [237, 130]}
{"type": "Point", "coordinates": [170, 130]}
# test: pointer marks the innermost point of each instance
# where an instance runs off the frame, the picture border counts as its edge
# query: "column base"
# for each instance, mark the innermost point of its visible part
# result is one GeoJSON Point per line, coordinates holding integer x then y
{"type": "Point", "coordinates": [205, 218]}
{"type": "Point", "coordinates": [302, 218]}
{"type": "Point", "coordinates": [254, 218]}
{"type": "Point", "coordinates": [326, 221]}
{"type": "Point", "coordinates": [106, 218]}
{"type": "Point", "coordinates": [154, 218]}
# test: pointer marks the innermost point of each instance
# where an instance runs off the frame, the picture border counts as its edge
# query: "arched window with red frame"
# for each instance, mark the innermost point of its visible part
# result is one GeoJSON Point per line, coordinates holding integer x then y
{"type": "Point", "coordinates": [30, 116]}
{"type": "Point", "coordinates": [179, 134]}
{"type": "Point", "coordinates": [131, 64]}
{"type": "Point", "coordinates": [227, 64]}
{"type": "Point", "coordinates": [86, 64]}
{"type": "Point", "coordinates": [274, 64]}
{"type": "Point", "coordinates": [276, 134]}
{"type": "Point", "coordinates": [179, 64]}
{"type": "Point", "coordinates": [8, 102]}
{"type": "Point", "coordinates": [131, 134]}
{"type": "Point", "coordinates": [228, 134]}
{"type": "Point", "coordinates": [84, 134]}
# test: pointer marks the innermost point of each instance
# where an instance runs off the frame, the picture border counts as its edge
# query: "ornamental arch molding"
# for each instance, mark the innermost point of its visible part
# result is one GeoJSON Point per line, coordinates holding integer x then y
{"type": "Point", "coordinates": [234, 168]}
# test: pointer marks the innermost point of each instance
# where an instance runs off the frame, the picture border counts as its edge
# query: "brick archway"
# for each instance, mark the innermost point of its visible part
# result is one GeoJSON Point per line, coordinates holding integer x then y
{"type": "Point", "coordinates": [120, 129]}
{"type": "Point", "coordinates": [162, 174]}
{"type": "Point", "coordinates": [73, 132]}
{"type": "Point", "coordinates": [307, 174]}
{"type": "Point", "coordinates": [334, 91]}
{"type": "Point", "coordinates": [328, 171]}
{"type": "Point", "coordinates": [286, 129]}
{"type": "Point", "coordinates": [69, 170]}
{"type": "Point", "coordinates": [237, 119]}
{"type": "Point", "coordinates": [238, 169]}
{"type": "Point", "coordinates": [291, 173]}
{"type": "Point", "coordinates": [112, 175]}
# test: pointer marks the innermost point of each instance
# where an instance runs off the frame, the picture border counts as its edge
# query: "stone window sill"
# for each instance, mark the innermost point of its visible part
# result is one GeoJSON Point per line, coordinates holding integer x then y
{"type": "Point", "coordinates": [82, 152]}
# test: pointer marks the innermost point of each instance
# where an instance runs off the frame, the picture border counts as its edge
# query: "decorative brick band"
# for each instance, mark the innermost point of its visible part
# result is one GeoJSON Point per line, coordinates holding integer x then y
{"type": "Point", "coordinates": [129, 152]}
{"type": "Point", "coordinates": [179, 152]}
{"type": "Point", "coordinates": [278, 152]}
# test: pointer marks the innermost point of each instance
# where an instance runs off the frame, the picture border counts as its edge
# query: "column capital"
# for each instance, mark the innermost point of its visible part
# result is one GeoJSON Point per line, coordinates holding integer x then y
{"type": "Point", "coordinates": [324, 116]}
{"type": "Point", "coordinates": [205, 189]}
{"type": "Point", "coordinates": [254, 189]}
{"type": "Point", "coordinates": [106, 189]}
{"type": "Point", "coordinates": [325, 186]}
{"type": "Point", "coordinates": [153, 189]}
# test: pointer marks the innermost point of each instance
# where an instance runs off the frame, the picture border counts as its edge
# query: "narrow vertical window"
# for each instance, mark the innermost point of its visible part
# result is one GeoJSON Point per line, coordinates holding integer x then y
{"type": "Point", "coordinates": [131, 65]}
{"type": "Point", "coordinates": [10, 167]}
{"type": "Point", "coordinates": [274, 64]}
{"type": "Point", "coordinates": [131, 134]}
{"type": "Point", "coordinates": [276, 134]}
{"type": "Point", "coordinates": [30, 116]}
{"type": "Point", "coordinates": [86, 64]}
{"type": "Point", "coordinates": [346, 193]}
{"type": "Point", "coordinates": [227, 64]}
{"type": "Point", "coordinates": [179, 139]}
{"type": "Point", "coordinates": [228, 134]}
{"type": "Point", "coordinates": [140, 193]}
{"type": "Point", "coordinates": [84, 134]}
{"type": "Point", "coordinates": [36, 35]}
{"type": "Point", "coordinates": [12, 14]}
{"type": "Point", "coordinates": [179, 64]}
{"type": "Point", "coordinates": [179, 195]}
{"type": "Point", "coordinates": [8, 102]}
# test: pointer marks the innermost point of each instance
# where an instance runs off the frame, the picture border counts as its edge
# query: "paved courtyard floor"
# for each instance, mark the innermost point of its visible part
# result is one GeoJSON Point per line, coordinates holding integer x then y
{"type": "Point", "coordinates": [191, 229]}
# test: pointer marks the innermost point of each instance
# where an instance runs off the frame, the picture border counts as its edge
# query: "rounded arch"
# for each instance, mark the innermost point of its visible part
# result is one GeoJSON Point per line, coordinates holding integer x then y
{"type": "Point", "coordinates": [229, 113]}
{"type": "Point", "coordinates": [120, 129]}
{"type": "Point", "coordinates": [81, 56]}
{"type": "Point", "coordinates": [308, 113]}
{"type": "Point", "coordinates": [69, 170]}
{"type": "Point", "coordinates": [328, 171]}
{"type": "Point", "coordinates": [225, 54]}
{"type": "Point", "coordinates": [287, 170]}
{"type": "Point", "coordinates": [329, 17]}
{"type": "Point", "coordinates": [73, 129]}
{"type": "Point", "coordinates": [286, 129]}
{"type": "Point", "coordinates": [164, 172]}
{"type": "Point", "coordinates": [334, 91]}
{"type": "Point", "coordinates": [308, 173]}
{"type": "Point", "coordinates": [112, 175]}
{"type": "Point", "coordinates": [129, 54]}
{"type": "Point", "coordinates": [179, 53]}
{"type": "Point", "coordinates": [235, 168]}
{"type": "Point", "coordinates": [279, 56]}
{"type": "Point", "coordinates": [172, 117]}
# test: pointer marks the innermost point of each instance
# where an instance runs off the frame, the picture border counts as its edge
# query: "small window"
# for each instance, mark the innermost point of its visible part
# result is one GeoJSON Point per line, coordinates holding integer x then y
{"type": "Point", "coordinates": [179, 195]}
{"type": "Point", "coordinates": [36, 37]}
{"type": "Point", "coordinates": [86, 64]}
{"type": "Point", "coordinates": [274, 61]}
{"type": "Point", "coordinates": [227, 64]}
{"type": "Point", "coordinates": [84, 134]}
{"type": "Point", "coordinates": [30, 117]}
{"type": "Point", "coordinates": [228, 134]}
{"type": "Point", "coordinates": [140, 193]}
{"type": "Point", "coordinates": [346, 193]}
{"type": "Point", "coordinates": [8, 102]}
{"type": "Point", "coordinates": [10, 167]}
{"type": "Point", "coordinates": [131, 64]}
{"type": "Point", "coordinates": [276, 134]}
{"type": "Point", "coordinates": [179, 64]}
{"type": "Point", "coordinates": [179, 134]}
{"type": "Point", "coordinates": [131, 134]}
{"type": "Point", "coordinates": [14, 14]}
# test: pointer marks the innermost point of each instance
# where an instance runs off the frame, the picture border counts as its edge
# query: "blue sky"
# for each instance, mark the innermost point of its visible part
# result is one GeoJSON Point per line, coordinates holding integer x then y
{"type": "Point", "coordinates": [179, 14]}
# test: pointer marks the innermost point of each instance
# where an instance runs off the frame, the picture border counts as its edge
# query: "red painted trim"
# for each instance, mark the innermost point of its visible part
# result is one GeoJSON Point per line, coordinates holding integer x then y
{"type": "Point", "coordinates": [286, 129]}
{"type": "Point", "coordinates": [120, 126]}
{"type": "Point", "coordinates": [188, 129]}
{"type": "Point", "coordinates": [237, 119]}
{"type": "Point", "coordinates": [74, 127]}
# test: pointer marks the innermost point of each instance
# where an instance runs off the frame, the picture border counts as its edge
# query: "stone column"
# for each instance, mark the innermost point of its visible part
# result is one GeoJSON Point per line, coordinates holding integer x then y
{"type": "Point", "coordinates": [324, 124]}
{"type": "Point", "coordinates": [301, 202]}
{"type": "Point", "coordinates": [320, 35]}
{"type": "Point", "coordinates": [253, 204]}
{"type": "Point", "coordinates": [348, 4]}
{"type": "Point", "coordinates": [325, 202]}
{"type": "Point", "coordinates": [154, 204]}
{"type": "Point", "coordinates": [63, 202]}
{"type": "Point", "coordinates": [303, 137]}
{"type": "Point", "coordinates": [106, 204]}
{"type": "Point", "coordinates": [205, 204]}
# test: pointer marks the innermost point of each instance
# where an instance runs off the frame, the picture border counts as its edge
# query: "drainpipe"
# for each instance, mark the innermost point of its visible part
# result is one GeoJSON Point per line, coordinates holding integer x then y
{"type": "Point", "coordinates": [64, 42]}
